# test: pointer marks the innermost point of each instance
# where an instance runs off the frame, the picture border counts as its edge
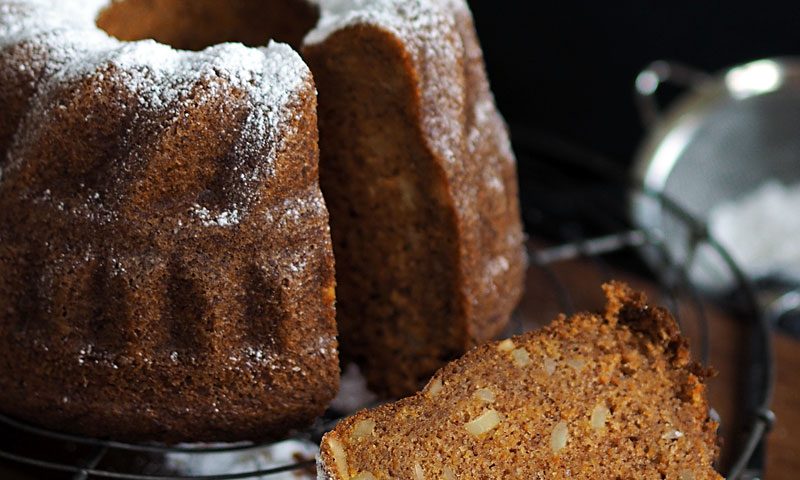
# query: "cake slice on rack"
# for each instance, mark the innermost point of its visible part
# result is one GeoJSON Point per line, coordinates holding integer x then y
{"type": "Point", "coordinates": [591, 396]}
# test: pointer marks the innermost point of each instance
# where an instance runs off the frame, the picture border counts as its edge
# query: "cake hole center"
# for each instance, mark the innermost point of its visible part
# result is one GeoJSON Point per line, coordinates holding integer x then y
{"type": "Point", "coordinates": [197, 24]}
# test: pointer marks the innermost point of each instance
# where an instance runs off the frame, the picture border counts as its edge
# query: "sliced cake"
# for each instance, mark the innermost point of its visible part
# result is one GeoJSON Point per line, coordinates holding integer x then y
{"type": "Point", "coordinates": [591, 396]}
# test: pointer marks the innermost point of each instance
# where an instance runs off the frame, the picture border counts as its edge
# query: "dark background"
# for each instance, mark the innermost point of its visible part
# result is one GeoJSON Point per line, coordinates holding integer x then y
{"type": "Point", "coordinates": [567, 68]}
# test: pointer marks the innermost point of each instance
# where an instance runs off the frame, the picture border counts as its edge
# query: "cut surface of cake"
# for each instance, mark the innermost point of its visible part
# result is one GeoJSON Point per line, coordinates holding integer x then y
{"type": "Point", "coordinates": [612, 395]}
{"type": "Point", "coordinates": [417, 170]}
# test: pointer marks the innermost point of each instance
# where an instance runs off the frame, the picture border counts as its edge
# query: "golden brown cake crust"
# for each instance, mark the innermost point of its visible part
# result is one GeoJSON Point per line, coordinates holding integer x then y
{"type": "Point", "coordinates": [420, 179]}
{"type": "Point", "coordinates": [591, 396]}
{"type": "Point", "coordinates": [166, 271]}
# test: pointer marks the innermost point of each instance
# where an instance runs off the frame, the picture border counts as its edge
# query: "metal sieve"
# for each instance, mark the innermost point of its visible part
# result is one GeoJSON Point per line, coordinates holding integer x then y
{"type": "Point", "coordinates": [723, 137]}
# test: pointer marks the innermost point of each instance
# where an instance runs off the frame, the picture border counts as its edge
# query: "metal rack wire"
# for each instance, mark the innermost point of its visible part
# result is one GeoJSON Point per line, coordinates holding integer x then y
{"type": "Point", "coordinates": [56, 453]}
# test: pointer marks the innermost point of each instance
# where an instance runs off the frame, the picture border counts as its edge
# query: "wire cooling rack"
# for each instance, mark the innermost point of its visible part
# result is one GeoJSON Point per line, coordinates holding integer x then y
{"type": "Point", "coordinates": [582, 224]}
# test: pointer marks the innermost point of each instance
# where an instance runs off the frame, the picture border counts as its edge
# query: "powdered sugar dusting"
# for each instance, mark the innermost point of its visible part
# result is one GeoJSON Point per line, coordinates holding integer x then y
{"type": "Point", "coordinates": [258, 458]}
{"type": "Point", "coordinates": [353, 391]}
{"type": "Point", "coordinates": [28, 18]}
{"type": "Point", "coordinates": [428, 30]}
{"type": "Point", "coordinates": [406, 18]}
{"type": "Point", "coordinates": [226, 218]}
{"type": "Point", "coordinates": [164, 79]}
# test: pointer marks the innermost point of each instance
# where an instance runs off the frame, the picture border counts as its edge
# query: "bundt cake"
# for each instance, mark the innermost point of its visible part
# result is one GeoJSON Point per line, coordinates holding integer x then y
{"type": "Point", "coordinates": [166, 270]}
{"type": "Point", "coordinates": [592, 396]}
{"type": "Point", "coordinates": [165, 256]}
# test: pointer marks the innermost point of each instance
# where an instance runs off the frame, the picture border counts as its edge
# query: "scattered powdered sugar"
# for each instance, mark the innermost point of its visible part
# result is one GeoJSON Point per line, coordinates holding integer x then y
{"type": "Point", "coordinates": [298, 266]}
{"type": "Point", "coordinates": [294, 210]}
{"type": "Point", "coordinates": [497, 266]}
{"type": "Point", "coordinates": [92, 356]}
{"type": "Point", "coordinates": [327, 344]}
{"type": "Point", "coordinates": [257, 357]}
{"type": "Point", "coordinates": [760, 230]}
{"type": "Point", "coordinates": [495, 183]}
{"type": "Point", "coordinates": [288, 452]}
{"type": "Point", "coordinates": [353, 392]}
{"type": "Point", "coordinates": [226, 218]}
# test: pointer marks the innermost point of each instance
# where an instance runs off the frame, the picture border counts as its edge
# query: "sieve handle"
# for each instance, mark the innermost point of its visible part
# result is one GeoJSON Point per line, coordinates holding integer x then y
{"type": "Point", "coordinates": [782, 307]}
{"type": "Point", "coordinates": [652, 77]}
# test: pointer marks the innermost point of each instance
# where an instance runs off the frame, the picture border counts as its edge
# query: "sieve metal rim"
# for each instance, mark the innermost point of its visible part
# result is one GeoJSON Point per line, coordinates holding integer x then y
{"type": "Point", "coordinates": [670, 131]}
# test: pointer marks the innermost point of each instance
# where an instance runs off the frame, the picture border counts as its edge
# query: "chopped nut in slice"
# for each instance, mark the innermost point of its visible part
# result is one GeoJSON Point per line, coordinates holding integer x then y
{"type": "Point", "coordinates": [686, 475]}
{"type": "Point", "coordinates": [364, 476]}
{"type": "Point", "coordinates": [672, 434]}
{"type": "Point", "coordinates": [484, 395]}
{"type": "Point", "coordinates": [558, 439]}
{"type": "Point", "coordinates": [419, 474]}
{"type": "Point", "coordinates": [448, 473]}
{"type": "Point", "coordinates": [339, 457]}
{"type": "Point", "coordinates": [363, 429]}
{"type": "Point", "coordinates": [506, 345]}
{"type": "Point", "coordinates": [486, 422]}
{"type": "Point", "coordinates": [576, 363]}
{"type": "Point", "coordinates": [599, 415]}
{"type": "Point", "coordinates": [435, 387]}
{"type": "Point", "coordinates": [521, 357]}
{"type": "Point", "coordinates": [549, 365]}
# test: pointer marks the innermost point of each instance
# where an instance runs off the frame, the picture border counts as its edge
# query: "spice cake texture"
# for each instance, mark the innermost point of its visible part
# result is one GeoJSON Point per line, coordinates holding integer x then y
{"type": "Point", "coordinates": [611, 395]}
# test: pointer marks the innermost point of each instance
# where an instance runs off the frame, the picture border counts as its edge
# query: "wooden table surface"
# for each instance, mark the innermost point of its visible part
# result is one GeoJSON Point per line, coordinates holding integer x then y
{"type": "Point", "coordinates": [783, 452]}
